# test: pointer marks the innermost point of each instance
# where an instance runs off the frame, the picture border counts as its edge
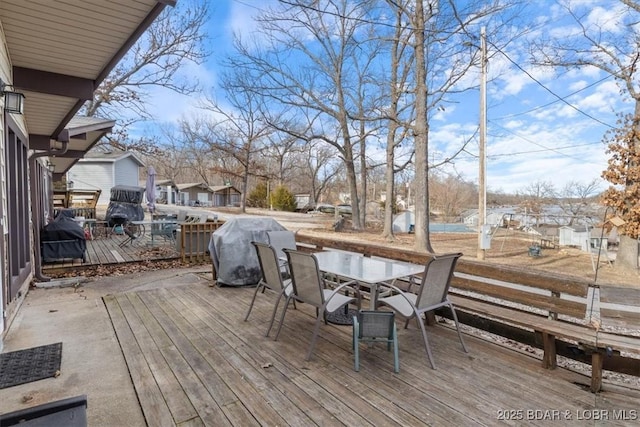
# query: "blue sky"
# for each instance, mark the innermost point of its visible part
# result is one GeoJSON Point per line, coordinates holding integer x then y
{"type": "Point", "coordinates": [532, 136]}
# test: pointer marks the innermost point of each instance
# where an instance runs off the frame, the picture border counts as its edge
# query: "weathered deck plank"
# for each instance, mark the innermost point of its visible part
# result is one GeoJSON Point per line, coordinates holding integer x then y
{"type": "Point", "coordinates": [107, 250]}
{"type": "Point", "coordinates": [142, 323]}
{"type": "Point", "coordinates": [230, 374]}
{"type": "Point", "coordinates": [150, 396]}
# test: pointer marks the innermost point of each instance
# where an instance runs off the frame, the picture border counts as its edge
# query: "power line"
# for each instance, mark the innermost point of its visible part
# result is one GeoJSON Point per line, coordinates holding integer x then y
{"type": "Point", "coordinates": [519, 153]}
{"type": "Point", "coordinates": [509, 116]}
{"type": "Point", "coordinates": [549, 90]}
{"type": "Point", "coordinates": [555, 150]}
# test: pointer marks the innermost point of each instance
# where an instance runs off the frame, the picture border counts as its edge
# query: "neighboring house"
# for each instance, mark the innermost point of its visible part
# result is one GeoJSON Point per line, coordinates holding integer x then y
{"type": "Point", "coordinates": [166, 191]}
{"type": "Point", "coordinates": [225, 195]}
{"type": "Point", "coordinates": [100, 170]}
{"type": "Point", "coordinates": [194, 193]}
{"type": "Point", "coordinates": [55, 54]}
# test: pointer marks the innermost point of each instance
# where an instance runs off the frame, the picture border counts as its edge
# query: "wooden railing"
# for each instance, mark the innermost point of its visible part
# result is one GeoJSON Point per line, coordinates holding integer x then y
{"type": "Point", "coordinates": [194, 240]}
{"type": "Point", "coordinates": [541, 309]}
{"type": "Point", "coordinates": [82, 202]}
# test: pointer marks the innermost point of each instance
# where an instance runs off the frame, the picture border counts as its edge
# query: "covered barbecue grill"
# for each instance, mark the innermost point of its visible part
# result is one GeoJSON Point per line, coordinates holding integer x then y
{"type": "Point", "coordinates": [234, 258]}
{"type": "Point", "coordinates": [63, 238]}
{"type": "Point", "coordinates": [125, 205]}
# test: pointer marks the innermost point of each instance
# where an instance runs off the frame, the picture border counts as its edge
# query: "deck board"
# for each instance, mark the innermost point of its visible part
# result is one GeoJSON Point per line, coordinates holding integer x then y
{"type": "Point", "coordinates": [107, 250]}
{"type": "Point", "coordinates": [212, 368]}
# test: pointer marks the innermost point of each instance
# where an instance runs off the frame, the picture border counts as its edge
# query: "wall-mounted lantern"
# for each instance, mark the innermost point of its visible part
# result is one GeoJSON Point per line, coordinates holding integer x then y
{"type": "Point", "coordinates": [13, 101]}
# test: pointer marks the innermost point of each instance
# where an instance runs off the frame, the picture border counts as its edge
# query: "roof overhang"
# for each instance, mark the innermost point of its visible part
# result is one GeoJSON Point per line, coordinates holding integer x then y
{"type": "Point", "coordinates": [61, 51]}
{"type": "Point", "coordinates": [83, 133]}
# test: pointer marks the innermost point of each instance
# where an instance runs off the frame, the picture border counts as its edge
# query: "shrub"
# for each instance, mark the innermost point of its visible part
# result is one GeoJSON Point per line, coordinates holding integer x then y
{"type": "Point", "coordinates": [283, 200]}
{"type": "Point", "coordinates": [258, 197]}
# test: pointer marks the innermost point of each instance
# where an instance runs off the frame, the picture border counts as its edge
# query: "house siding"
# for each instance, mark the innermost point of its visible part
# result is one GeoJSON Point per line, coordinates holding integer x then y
{"type": "Point", "coordinates": [16, 240]}
{"type": "Point", "coordinates": [93, 176]}
{"type": "Point", "coordinates": [127, 172]}
{"type": "Point", "coordinates": [4, 71]}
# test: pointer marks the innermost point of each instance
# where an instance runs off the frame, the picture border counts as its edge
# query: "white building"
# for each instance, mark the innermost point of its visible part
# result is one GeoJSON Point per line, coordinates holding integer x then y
{"type": "Point", "coordinates": [100, 170]}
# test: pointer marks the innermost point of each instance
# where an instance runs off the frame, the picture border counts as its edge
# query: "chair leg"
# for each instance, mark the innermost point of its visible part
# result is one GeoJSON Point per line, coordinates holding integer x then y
{"type": "Point", "coordinates": [396, 359]}
{"type": "Point", "coordinates": [356, 345]}
{"type": "Point", "coordinates": [455, 319]}
{"type": "Point", "coordinates": [252, 301]}
{"type": "Point", "coordinates": [426, 341]}
{"type": "Point", "coordinates": [281, 323]}
{"type": "Point", "coordinates": [275, 310]}
{"type": "Point", "coordinates": [316, 329]}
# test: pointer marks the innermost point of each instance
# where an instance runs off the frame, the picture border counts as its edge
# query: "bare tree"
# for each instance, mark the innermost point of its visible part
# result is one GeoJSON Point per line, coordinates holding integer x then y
{"type": "Point", "coordinates": [176, 166]}
{"type": "Point", "coordinates": [320, 166]}
{"type": "Point", "coordinates": [174, 39]}
{"type": "Point", "coordinates": [401, 63]}
{"type": "Point", "coordinates": [238, 128]}
{"type": "Point", "coordinates": [281, 149]}
{"type": "Point", "coordinates": [609, 42]}
{"type": "Point", "coordinates": [535, 197]}
{"type": "Point", "coordinates": [576, 199]}
{"type": "Point", "coordinates": [451, 195]}
{"type": "Point", "coordinates": [204, 165]}
{"type": "Point", "coordinates": [441, 31]}
{"type": "Point", "coordinates": [305, 60]}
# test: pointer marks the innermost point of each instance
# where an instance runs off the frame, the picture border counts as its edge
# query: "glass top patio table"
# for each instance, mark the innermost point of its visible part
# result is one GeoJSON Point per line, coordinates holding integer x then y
{"type": "Point", "coordinates": [365, 270]}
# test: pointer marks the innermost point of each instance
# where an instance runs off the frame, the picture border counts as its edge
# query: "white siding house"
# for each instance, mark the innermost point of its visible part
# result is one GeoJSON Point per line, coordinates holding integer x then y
{"type": "Point", "coordinates": [103, 170]}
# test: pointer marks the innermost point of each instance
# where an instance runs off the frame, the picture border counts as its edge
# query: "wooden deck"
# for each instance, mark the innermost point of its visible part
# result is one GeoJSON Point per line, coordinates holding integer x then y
{"type": "Point", "coordinates": [194, 361]}
{"type": "Point", "coordinates": [107, 250]}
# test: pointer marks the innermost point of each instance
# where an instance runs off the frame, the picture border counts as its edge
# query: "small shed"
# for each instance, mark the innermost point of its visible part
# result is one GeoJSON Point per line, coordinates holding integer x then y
{"type": "Point", "coordinates": [303, 202]}
{"type": "Point", "coordinates": [578, 236]}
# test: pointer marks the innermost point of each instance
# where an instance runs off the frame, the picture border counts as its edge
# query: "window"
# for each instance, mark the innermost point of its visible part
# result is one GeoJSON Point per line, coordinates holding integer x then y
{"type": "Point", "coordinates": [17, 223]}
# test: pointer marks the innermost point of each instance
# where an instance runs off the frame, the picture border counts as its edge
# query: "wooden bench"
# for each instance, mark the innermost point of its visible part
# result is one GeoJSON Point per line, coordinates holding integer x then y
{"type": "Point", "coordinates": [619, 314]}
{"type": "Point", "coordinates": [553, 309]}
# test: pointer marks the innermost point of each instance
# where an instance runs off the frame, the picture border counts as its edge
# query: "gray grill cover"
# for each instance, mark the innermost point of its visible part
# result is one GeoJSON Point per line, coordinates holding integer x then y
{"type": "Point", "coordinates": [125, 203]}
{"type": "Point", "coordinates": [232, 253]}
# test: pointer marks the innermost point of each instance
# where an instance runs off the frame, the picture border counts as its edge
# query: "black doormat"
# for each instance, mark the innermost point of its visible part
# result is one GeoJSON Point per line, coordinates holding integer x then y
{"type": "Point", "coordinates": [32, 364]}
{"type": "Point", "coordinates": [342, 316]}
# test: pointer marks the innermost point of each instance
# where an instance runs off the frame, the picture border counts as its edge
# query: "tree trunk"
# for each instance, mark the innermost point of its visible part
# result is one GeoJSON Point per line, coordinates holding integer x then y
{"type": "Point", "coordinates": [421, 138]}
{"type": "Point", "coordinates": [389, 203]}
{"type": "Point", "coordinates": [627, 255]}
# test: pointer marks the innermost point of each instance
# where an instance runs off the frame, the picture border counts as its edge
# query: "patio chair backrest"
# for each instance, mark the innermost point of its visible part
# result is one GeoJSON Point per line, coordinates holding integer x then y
{"type": "Point", "coordinates": [305, 276]}
{"type": "Point", "coordinates": [375, 324]}
{"type": "Point", "coordinates": [436, 280]}
{"type": "Point", "coordinates": [282, 239]}
{"type": "Point", "coordinates": [269, 266]}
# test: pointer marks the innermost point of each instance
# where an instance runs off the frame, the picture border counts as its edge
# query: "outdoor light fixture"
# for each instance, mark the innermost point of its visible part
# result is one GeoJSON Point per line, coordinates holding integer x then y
{"type": "Point", "coordinates": [51, 167]}
{"type": "Point", "coordinates": [13, 101]}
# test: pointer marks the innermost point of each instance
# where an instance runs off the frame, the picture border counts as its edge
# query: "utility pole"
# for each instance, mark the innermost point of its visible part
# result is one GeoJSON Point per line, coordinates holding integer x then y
{"type": "Point", "coordinates": [482, 168]}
